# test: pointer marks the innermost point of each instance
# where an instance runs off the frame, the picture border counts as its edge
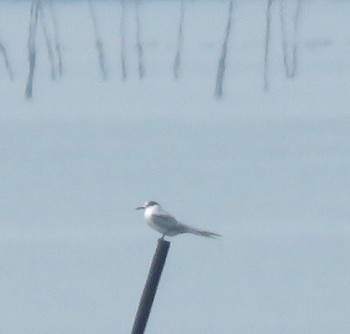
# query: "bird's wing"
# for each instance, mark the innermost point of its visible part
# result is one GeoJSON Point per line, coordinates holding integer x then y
{"type": "Point", "coordinates": [168, 222]}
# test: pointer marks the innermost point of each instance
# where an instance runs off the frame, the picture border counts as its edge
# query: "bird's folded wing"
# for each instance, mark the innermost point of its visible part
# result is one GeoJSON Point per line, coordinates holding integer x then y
{"type": "Point", "coordinates": [168, 222]}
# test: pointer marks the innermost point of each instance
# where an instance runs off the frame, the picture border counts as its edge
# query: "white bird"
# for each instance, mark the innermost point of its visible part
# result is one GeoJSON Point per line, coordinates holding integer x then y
{"type": "Point", "coordinates": [166, 224]}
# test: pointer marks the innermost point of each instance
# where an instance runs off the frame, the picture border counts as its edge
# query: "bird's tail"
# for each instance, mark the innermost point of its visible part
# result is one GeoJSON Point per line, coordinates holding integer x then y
{"type": "Point", "coordinates": [203, 233]}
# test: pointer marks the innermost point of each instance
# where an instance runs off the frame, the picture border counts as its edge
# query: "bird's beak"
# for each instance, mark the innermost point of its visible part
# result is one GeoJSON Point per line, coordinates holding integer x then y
{"type": "Point", "coordinates": [140, 207]}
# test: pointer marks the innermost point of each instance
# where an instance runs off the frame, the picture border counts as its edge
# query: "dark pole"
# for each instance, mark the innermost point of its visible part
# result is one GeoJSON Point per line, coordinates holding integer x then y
{"type": "Point", "coordinates": [150, 288]}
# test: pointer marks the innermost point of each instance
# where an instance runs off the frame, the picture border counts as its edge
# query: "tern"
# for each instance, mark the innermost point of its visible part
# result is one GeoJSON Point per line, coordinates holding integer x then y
{"type": "Point", "coordinates": [166, 224]}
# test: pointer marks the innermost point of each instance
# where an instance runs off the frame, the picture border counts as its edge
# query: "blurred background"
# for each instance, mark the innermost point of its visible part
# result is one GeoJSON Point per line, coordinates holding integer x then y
{"type": "Point", "coordinates": [232, 115]}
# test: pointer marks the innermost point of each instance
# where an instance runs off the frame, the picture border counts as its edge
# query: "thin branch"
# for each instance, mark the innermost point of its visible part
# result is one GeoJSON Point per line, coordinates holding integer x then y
{"type": "Point", "coordinates": [290, 60]}
{"type": "Point", "coordinates": [7, 62]}
{"type": "Point", "coordinates": [296, 20]}
{"type": "Point", "coordinates": [177, 60]}
{"type": "Point", "coordinates": [98, 43]}
{"type": "Point", "coordinates": [31, 47]}
{"type": "Point", "coordinates": [57, 42]}
{"type": "Point", "coordinates": [222, 62]}
{"type": "Point", "coordinates": [139, 47]}
{"type": "Point", "coordinates": [267, 45]}
{"type": "Point", "coordinates": [48, 42]}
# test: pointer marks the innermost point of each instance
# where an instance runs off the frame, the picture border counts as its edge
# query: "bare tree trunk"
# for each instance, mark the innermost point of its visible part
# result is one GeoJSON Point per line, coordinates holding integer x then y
{"type": "Point", "coordinates": [177, 60]}
{"type": "Point", "coordinates": [6, 60]}
{"type": "Point", "coordinates": [31, 47]}
{"type": "Point", "coordinates": [98, 43]}
{"type": "Point", "coordinates": [48, 43]}
{"type": "Point", "coordinates": [58, 48]}
{"type": "Point", "coordinates": [222, 62]}
{"type": "Point", "coordinates": [122, 40]}
{"type": "Point", "coordinates": [290, 57]}
{"type": "Point", "coordinates": [139, 47]}
{"type": "Point", "coordinates": [267, 45]}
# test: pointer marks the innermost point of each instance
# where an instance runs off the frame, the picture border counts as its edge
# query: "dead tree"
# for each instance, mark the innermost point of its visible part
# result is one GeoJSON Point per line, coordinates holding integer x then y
{"type": "Point", "coordinates": [33, 22]}
{"type": "Point", "coordinates": [267, 45]}
{"type": "Point", "coordinates": [222, 62]}
{"type": "Point", "coordinates": [177, 60]}
{"type": "Point", "coordinates": [6, 61]}
{"type": "Point", "coordinates": [290, 53]}
{"type": "Point", "coordinates": [139, 47]}
{"type": "Point", "coordinates": [57, 42]}
{"type": "Point", "coordinates": [48, 42]}
{"type": "Point", "coordinates": [98, 43]}
{"type": "Point", "coordinates": [122, 40]}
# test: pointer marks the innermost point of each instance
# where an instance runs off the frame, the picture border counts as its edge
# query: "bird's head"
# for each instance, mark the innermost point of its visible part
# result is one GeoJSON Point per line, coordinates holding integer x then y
{"type": "Point", "coordinates": [147, 204]}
